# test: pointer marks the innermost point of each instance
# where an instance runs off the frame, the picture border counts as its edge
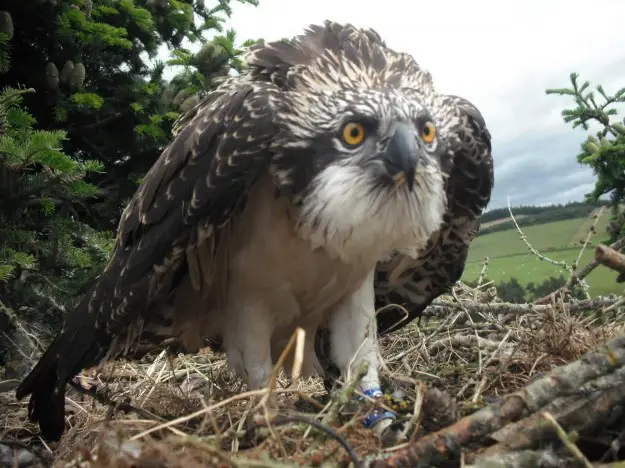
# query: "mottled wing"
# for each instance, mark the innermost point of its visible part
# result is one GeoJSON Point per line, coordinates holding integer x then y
{"type": "Point", "coordinates": [414, 284]}
{"type": "Point", "coordinates": [196, 185]}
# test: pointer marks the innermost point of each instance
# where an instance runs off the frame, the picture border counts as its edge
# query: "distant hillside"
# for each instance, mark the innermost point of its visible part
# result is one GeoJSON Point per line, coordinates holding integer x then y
{"type": "Point", "coordinates": [559, 240]}
{"type": "Point", "coordinates": [499, 219]}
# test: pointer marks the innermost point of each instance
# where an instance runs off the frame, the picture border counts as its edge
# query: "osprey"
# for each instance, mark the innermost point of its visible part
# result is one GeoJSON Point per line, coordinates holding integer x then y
{"type": "Point", "coordinates": [272, 208]}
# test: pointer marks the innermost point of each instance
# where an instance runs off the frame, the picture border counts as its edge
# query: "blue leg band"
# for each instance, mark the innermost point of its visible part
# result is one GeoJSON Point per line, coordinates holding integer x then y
{"type": "Point", "coordinates": [373, 392]}
{"type": "Point", "coordinates": [376, 415]}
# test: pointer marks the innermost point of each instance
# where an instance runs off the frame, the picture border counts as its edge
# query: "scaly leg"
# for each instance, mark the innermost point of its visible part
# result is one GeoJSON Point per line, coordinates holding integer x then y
{"type": "Point", "coordinates": [247, 342]}
{"type": "Point", "coordinates": [353, 330]}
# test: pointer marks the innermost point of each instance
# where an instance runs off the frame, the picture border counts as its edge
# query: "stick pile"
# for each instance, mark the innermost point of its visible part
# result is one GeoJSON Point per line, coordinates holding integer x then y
{"type": "Point", "coordinates": [477, 382]}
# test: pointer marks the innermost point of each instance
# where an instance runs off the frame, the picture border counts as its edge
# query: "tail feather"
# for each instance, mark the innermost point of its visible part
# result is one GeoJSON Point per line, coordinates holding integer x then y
{"type": "Point", "coordinates": [79, 344]}
{"type": "Point", "coordinates": [47, 401]}
{"type": "Point", "coordinates": [97, 327]}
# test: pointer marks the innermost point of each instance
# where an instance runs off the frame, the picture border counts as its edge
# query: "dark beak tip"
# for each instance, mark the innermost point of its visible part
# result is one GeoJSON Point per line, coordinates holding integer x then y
{"type": "Point", "coordinates": [410, 182]}
{"type": "Point", "coordinates": [403, 153]}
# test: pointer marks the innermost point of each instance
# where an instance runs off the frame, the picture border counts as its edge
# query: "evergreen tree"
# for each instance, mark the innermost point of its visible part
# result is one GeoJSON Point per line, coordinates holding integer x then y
{"type": "Point", "coordinates": [93, 67]}
{"type": "Point", "coordinates": [604, 152]}
{"type": "Point", "coordinates": [84, 113]}
{"type": "Point", "coordinates": [46, 253]}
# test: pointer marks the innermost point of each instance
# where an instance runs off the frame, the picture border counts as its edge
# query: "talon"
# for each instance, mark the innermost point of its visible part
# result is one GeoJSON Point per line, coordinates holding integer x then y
{"type": "Point", "coordinates": [383, 424]}
{"type": "Point", "coordinates": [392, 434]}
{"type": "Point", "coordinates": [381, 421]}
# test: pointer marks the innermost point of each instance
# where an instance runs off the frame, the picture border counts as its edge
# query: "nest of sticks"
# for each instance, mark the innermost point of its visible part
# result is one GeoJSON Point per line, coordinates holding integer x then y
{"type": "Point", "coordinates": [478, 382]}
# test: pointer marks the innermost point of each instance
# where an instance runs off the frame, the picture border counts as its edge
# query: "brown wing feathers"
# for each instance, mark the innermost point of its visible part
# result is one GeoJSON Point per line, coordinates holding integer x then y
{"type": "Point", "coordinates": [200, 178]}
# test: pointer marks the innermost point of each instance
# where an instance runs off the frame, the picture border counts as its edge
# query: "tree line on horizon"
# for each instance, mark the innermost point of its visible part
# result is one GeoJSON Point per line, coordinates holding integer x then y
{"type": "Point", "coordinates": [532, 215]}
{"type": "Point", "coordinates": [502, 213]}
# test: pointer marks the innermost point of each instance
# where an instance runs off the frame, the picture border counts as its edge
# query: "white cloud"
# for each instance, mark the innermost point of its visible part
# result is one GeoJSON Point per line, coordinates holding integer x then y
{"type": "Point", "coordinates": [500, 55]}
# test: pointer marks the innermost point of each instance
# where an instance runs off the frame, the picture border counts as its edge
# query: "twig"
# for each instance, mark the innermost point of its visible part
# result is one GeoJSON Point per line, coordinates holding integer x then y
{"type": "Point", "coordinates": [269, 408]}
{"type": "Point", "coordinates": [213, 407]}
{"type": "Point", "coordinates": [296, 340]}
{"type": "Point", "coordinates": [591, 232]}
{"type": "Point", "coordinates": [491, 358]}
{"type": "Point", "coordinates": [530, 247]}
{"type": "Point", "coordinates": [618, 245]}
{"type": "Point", "coordinates": [568, 443]}
{"type": "Point", "coordinates": [448, 442]}
{"type": "Point", "coordinates": [477, 337]}
{"type": "Point", "coordinates": [342, 396]}
{"type": "Point", "coordinates": [201, 445]}
{"type": "Point", "coordinates": [467, 341]}
{"type": "Point", "coordinates": [481, 277]}
{"type": "Point", "coordinates": [420, 389]}
{"type": "Point", "coordinates": [583, 410]}
{"type": "Point", "coordinates": [521, 459]}
{"type": "Point", "coordinates": [284, 419]}
{"type": "Point", "coordinates": [114, 405]}
{"type": "Point", "coordinates": [520, 309]}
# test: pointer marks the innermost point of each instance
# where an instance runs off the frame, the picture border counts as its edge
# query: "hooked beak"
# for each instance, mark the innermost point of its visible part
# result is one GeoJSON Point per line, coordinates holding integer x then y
{"type": "Point", "coordinates": [402, 155]}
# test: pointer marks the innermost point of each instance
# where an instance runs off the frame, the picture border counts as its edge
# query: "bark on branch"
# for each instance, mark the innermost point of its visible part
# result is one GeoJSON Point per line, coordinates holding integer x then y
{"type": "Point", "coordinates": [517, 309]}
{"type": "Point", "coordinates": [612, 259]}
{"type": "Point", "coordinates": [618, 245]}
{"type": "Point", "coordinates": [600, 371]}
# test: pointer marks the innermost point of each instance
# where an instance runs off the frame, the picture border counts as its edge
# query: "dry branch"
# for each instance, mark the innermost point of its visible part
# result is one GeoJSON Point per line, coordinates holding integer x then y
{"type": "Point", "coordinates": [442, 307]}
{"type": "Point", "coordinates": [524, 459]}
{"type": "Point", "coordinates": [586, 410]}
{"type": "Point", "coordinates": [618, 245]}
{"type": "Point", "coordinates": [448, 443]}
{"type": "Point", "coordinates": [612, 259]}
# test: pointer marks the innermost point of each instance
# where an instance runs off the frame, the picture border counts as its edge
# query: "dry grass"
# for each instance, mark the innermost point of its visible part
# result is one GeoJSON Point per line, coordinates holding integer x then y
{"type": "Point", "coordinates": [438, 373]}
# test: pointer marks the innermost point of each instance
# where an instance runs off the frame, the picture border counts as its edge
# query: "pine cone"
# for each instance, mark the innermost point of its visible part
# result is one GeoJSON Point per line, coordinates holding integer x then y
{"type": "Point", "coordinates": [77, 77]}
{"type": "Point", "coordinates": [66, 71]}
{"type": "Point", "coordinates": [181, 96]}
{"type": "Point", "coordinates": [52, 76]}
{"type": "Point", "coordinates": [6, 24]}
{"type": "Point", "coordinates": [206, 53]}
{"type": "Point", "coordinates": [189, 103]}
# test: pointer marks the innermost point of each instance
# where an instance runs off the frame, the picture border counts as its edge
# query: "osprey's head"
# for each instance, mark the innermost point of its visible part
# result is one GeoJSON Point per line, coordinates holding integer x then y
{"type": "Point", "coordinates": [361, 151]}
{"type": "Point", "coordinates": [385, 136]}
{"type": "Point", "coordinates": [364, 142]}
{"type": "Point", "coordinates": [366, 165]}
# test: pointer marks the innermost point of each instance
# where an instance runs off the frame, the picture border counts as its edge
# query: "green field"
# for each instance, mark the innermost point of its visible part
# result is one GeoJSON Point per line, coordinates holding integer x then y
{"type": "Point", "coordinates": [560, 241]}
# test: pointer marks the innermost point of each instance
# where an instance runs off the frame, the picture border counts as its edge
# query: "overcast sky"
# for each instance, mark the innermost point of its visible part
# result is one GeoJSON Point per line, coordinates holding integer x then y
{"type": "Point", "coordinates": [500, 55]}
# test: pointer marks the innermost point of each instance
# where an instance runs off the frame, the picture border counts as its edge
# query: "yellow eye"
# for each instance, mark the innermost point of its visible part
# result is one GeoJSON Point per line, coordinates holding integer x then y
{"type": "Point", "coordinates": [353, 134]}
{"type": "Point", "coordinates": [428, 134]}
